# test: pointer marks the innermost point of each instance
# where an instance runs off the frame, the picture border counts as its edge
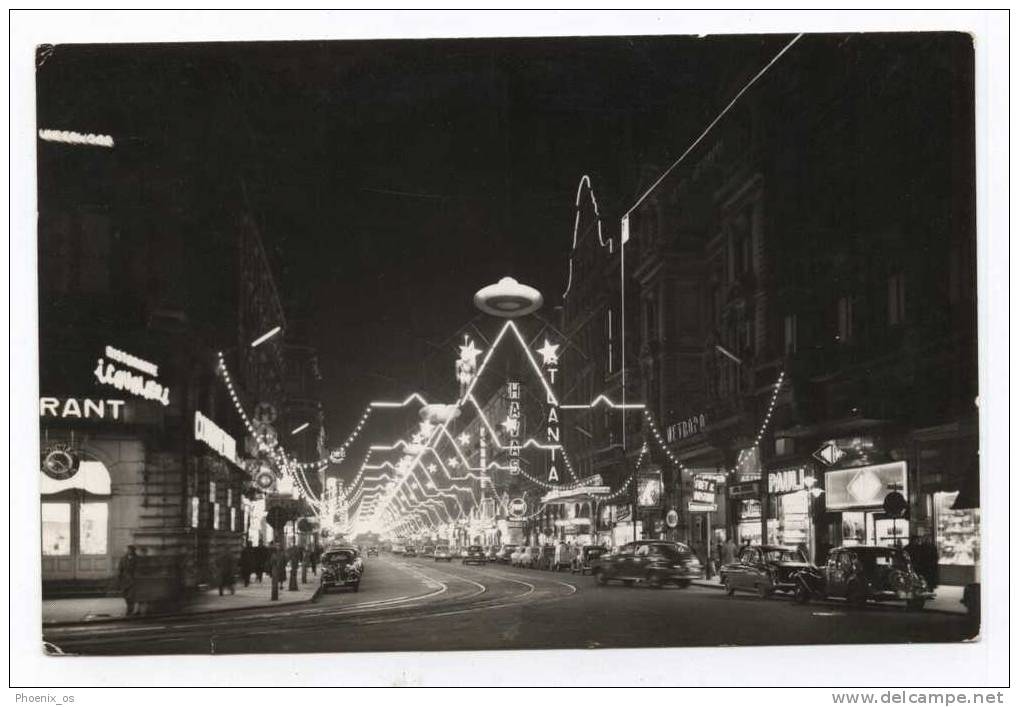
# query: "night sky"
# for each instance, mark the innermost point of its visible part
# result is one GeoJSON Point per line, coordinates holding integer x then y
{"type": "Point", "coordinates": [392, 179]}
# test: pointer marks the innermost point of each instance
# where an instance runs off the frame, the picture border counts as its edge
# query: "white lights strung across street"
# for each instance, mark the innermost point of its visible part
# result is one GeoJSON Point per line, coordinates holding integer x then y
{"type": "Point", "coordinates": [765, 422]}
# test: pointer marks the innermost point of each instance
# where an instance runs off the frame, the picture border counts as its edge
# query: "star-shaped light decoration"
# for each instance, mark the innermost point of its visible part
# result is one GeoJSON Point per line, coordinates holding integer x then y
{"type": "Point", "coordinates": [426, 430]}
{"type": "Point", "coordinates": [432, 468]}
{"type": "Point", "coordinates": [549, 353]}
{"type": "Point", "coordinates": [464, 439]}
{"type": "Point", "coordinates": [469, 353]}
{"type": "Point", "coordinates": [510, 424]}
{"type": "Point", "coordinates": [453, 463]}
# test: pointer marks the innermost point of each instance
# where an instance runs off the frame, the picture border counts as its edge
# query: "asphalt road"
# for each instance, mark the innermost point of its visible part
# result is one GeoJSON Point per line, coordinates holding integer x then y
{"type": "Point", "coordinates": [419, 604]}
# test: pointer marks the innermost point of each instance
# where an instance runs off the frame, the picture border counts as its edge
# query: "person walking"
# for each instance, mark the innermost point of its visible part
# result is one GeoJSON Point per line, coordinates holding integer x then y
{"type": "Point", "coordinates": [313, 558]}
{"type": "Point", "coordinates": [226, 571]}
{"type": "Point", "coordinates": [127, 571]}
{"type": "Point", "coordinates": [247, 562]}
{"type": "Point", "coordinates": [262, 561]}
{"type": "Point", "coordinates": [728, 551]}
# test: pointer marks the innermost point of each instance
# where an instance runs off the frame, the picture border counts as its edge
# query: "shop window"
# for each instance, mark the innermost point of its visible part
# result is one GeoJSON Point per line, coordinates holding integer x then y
{"type": "Point", "coordinates": [56, 529]}
{"type": "Point", "coordinates": [958, 531]}
{"type": "Point", "coordinates": [93, 523]}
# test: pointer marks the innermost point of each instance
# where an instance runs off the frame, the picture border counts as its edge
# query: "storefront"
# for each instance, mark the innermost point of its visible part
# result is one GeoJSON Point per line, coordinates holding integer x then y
{"type": "Point", "coordinates": [791, 498]}
{"type": "Point", "coordinates": [745, 501]}
{"type": "Point", "coordinates": [854, 499]}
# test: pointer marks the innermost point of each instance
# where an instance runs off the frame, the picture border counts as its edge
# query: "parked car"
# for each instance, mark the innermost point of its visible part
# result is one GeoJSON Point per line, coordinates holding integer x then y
{"type": "Point", "coordinates": [475, 555]}
{"type": "Point", "coordinates": [341, 567]}
{"type": "Point", "coordinates": [505, 553]}
{"type": "Point", "coordinates": [399, 549]}
{"type": "Point", "coordinates": [492, 553]}
{"type": "Point", "coordinates": [588, 554]}
{"type": "Point", "coordinates": [654, 562]}
{"type": "Point", "coordinates": [428, 551]}
{"type": "Point", "coordinates": [442, 552]}
{"type": "Point", "coordinates": [373, 551]}
{"type": "Point", "coordinates": [865, 573]}
{"type": "Point", "coordinates": [410, 551]}
{"type": "Point", "coordinates": [763, 569]}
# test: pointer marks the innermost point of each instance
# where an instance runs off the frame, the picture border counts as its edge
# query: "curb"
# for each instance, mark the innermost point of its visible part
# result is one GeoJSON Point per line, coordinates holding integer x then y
{"type": "Point", "coordinates": [828, 602]}
{"type": "Point", "coordinates": [181, 615]}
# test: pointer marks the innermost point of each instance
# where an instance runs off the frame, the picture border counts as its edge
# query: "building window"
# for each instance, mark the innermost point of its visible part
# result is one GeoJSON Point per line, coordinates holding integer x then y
{"type": "Point", "coordinates": [194, 511]}
{"type": "Point", "coordinates": [790, 334]}
{"type": "Point", "coordinates": [845, 314]}
{"type": "Point", "coordinates": [215, 516]}
{"type": "Point", "coordinates": [212, 492]}
{"type": "Point", "coordinates": [93, 523]}
{"type": "Point", "coordinates": [896, 299]}
{"type": "Point", "coordinates": [56, 529]}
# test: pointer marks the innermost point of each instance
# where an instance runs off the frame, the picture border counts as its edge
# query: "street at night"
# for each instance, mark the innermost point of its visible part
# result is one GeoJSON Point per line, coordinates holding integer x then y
{"type": "Point", "coordinates": [523, 343]}
{"type": "Point", "coordinates": [413, 605]}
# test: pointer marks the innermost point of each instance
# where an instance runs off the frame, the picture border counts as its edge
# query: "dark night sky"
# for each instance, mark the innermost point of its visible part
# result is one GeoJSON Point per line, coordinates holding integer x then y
{"type": "Point", "coordinates": [391, 179]}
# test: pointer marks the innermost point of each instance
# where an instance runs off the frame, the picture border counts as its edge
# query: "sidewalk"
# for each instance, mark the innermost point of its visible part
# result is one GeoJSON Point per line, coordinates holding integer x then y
{"type": "Point", "coordinates": [947, 599]}
{"type": "Point", "coordinates": [101, 609]}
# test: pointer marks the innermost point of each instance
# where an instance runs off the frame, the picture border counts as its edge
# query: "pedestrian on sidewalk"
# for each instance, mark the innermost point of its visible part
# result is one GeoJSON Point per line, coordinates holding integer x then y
{"type": "Point", "coordinates": [728, 551]}
{"type": "Point", "coordinates": [313, 557]}
{"type": "Point", "coordinates": [127, 574]}
{"type": "Point", "coordinates": [262, 561]}
{"type": "Point", "coordinates": [227, 571]}
{"type": "Point", "coordinates": [247, 562]}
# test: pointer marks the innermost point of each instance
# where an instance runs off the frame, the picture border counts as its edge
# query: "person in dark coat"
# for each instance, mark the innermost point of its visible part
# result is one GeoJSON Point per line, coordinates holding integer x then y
{"type": "Point", "coordinates": [226, 571]}
{"type": "Point", "coordinates": [127, 575]}
{"type": "Point", "coordinates": [929, 551]}
{"type": "Point", "coordinates": [248, 562]}
{"type": "Point", "coordinates": [313, 558]}
{"type": "Point", "coordinates": [262, 561]}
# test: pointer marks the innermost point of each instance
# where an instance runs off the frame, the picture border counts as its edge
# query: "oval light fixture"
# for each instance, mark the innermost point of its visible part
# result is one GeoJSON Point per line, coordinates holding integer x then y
{"type": "Point", "coordinates": [508, 298]}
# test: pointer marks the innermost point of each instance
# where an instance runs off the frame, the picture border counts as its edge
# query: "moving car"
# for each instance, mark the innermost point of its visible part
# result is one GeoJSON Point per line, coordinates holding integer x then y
{"type": "Point", "coordinates": [475, 555]}
{"type": "Point", "coordinates": [654, 562]}
{"type": "Point", "coordinates": [428, 551]}
{"type": "Point", "coordinates": [505, 554]}
{"type": "Point", "coordinates": [865, 573]}
{"type": "Point", "coordinates": [373, 551]}
{"type": "Point", "coordinates": [341, 567]}
{"type": "Point", "coordinates": [528, 556]}
{"type": "Point", "coordinates": [442, 552]}
{"type": "Point", "coordinates": [763, 569]}
{"type": "Point", "coordinates": [410, 551]}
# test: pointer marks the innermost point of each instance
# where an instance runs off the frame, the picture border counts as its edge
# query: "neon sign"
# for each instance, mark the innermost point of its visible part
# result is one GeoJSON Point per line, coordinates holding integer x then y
{"type": "Point", "coordinates": [84, 408]}
{"type": "Point", "coordinates": [213, 435]}
{"type": "Point", "coordinates": [108, 373]}
{"type": "Point", "coordinates": [513, 429]}
{"type": "Point", "coordinates": [550, 358]}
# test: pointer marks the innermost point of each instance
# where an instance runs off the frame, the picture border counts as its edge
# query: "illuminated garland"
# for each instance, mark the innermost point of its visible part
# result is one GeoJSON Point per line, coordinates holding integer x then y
{"type": "Point", "coordinates": [764, 424]}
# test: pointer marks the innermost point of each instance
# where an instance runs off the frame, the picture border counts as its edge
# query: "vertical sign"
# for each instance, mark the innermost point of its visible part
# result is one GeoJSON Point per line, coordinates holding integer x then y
{"type": "Point", "coordinates": [513, 395]}
{"type": "Point", "coordinates": [550, 358]}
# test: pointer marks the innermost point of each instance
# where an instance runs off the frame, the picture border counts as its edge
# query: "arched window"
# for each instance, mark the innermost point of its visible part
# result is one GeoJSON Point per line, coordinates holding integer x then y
{"type": "Point", "coordinates": [76, 524]}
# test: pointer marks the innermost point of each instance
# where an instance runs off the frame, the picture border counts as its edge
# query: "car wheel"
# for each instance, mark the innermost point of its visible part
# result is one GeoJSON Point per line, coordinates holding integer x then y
{"type": "Point", "coordinates": [654, 581]}
{"type": "Point", "coordinates": [802, 596]}
{"type": "Point", "coordinates": [916, 604]}
{"type": "Point", "coordinates": [600, 577]}
{"type": "Point", "coordinates": [730, 588]}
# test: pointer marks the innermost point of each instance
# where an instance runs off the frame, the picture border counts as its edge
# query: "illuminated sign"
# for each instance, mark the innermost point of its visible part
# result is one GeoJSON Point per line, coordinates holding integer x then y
{"type": "Point", "coordinates": [703, 490]}
{"type": "Point", "coordinates": [751, 489]}
{"type": "Point", "coordinates": [513, 428]}
{"type": "Point", "coordinates": [550, 358]}
{"type": "Point", "coordinates": [863, 487]}
{"type": "Point", "coordinates": [517, 507]}
{"type": "Point", "coordinates": [787, 480]}
{"type": "Point", "coordinates": [213, 435]}
{"type": "Point", "coordinates": [108, 373]}
{"type": "Point", "coordinates": [686, 428]}
{"type": "Point", "coordinates": [649, 489]}
{"type": "Point", "coordinates": [82, 408]}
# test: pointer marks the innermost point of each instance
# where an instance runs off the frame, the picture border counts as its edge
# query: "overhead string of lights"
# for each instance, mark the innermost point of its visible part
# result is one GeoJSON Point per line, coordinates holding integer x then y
{"type": "Point", "coordinates": [762, 430]}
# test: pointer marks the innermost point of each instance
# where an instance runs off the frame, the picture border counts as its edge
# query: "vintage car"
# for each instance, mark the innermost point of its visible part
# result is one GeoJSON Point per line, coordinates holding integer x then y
{"type": "Point", "coordinates": [588, 553]}
{"type": "Point", "coordinates": [763, 569]}
{"type": "Point", "coordinates": [505, 554]}
{"type": "Point", "coordinates": [372, 552]}
{"type": "Point", "coordinates": [868, 573]}
{"type": "Point", "coordinates": [410, 551]}
{"type": "Point", "coordinates": [428, 551]}
{"type": "Point", "coordinates": [442, 552]}
{"type": "Point", "coordinates": [492, 553]}
{"type": "Point", "coordinates": [653, 562]}
{"type": "Point", "coordinates": [527, 556]}
{"type": "Point", "coordinates": [341, 567]}
{"type": "Point", "coordinates": [475, 555]}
